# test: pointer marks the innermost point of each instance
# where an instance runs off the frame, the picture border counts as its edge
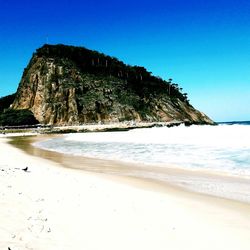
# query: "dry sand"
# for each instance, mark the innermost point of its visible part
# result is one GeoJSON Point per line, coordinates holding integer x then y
{"type": "Point", "coordinates": [50, 207]}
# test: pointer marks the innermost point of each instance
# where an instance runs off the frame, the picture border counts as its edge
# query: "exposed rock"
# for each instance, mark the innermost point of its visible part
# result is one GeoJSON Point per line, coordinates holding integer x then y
{"type": "Point", "coordinates": [65, 85]}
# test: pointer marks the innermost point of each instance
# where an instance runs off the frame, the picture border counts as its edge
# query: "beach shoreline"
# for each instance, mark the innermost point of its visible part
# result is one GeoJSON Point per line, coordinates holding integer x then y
{"type": "Point", "coordinates": [96, 127]}
{"type": "Point", "coordinates": [53, 207]}
{"type": "Point", "coordinates": [201, 181]}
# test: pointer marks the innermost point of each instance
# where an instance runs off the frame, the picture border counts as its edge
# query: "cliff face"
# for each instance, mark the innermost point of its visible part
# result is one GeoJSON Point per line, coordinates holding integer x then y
{"type": "Point", "coordinates": [65, 85]}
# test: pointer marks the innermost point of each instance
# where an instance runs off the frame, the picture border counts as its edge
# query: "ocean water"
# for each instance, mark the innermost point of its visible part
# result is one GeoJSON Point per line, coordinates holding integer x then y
{"type": "Point", "coordinates": [224, 148]}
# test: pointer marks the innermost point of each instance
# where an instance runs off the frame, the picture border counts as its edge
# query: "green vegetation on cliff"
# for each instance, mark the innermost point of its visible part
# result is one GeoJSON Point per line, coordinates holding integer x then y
{"type": "Point", "coordinates": [10, 117]}
{"type": "Point", "coordinates": [6, 101]}
{"type": "Point", "coordinates": [137, 78]}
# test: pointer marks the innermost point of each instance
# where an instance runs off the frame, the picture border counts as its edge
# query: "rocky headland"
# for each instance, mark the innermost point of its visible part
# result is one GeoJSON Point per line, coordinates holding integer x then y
{"type": "Point", "coordinates": [66, 85]}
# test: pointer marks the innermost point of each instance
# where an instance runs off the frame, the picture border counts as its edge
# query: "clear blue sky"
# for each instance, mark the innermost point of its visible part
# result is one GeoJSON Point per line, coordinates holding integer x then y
{"type": "Point", "coordinates": [203, 45]}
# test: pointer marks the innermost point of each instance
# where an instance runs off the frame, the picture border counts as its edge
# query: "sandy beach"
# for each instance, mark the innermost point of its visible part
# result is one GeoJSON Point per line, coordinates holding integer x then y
{"type": "Point", "coordinates": [53, 207]}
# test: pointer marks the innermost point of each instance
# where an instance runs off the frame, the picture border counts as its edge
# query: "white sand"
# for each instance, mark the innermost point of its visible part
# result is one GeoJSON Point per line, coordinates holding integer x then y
{"type": "Point", "coordinates": [54, 208]}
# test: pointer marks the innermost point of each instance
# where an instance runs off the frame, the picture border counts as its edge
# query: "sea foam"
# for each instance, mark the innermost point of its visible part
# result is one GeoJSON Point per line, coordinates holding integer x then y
{"type": "Point", "coordinates": [224, 149]}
